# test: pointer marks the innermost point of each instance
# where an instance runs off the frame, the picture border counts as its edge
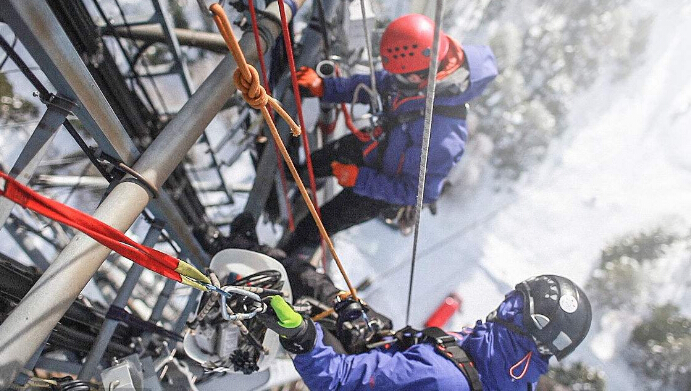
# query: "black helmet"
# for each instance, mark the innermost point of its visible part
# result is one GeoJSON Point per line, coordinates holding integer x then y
{"type": "Point", "coordinates": [556, 313]}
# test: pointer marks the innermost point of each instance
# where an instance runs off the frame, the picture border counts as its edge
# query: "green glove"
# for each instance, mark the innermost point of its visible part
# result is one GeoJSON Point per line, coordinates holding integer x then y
{"type": "Point", "coordinates": [298, 335]}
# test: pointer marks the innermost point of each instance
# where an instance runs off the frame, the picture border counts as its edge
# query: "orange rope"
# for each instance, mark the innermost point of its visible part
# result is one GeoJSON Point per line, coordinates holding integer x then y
{"type": "Point", "coordinates": [246, 79]}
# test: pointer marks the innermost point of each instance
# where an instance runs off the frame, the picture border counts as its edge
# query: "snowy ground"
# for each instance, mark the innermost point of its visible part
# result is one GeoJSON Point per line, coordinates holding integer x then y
{"type": "Point", "coordinates": [623, 165]}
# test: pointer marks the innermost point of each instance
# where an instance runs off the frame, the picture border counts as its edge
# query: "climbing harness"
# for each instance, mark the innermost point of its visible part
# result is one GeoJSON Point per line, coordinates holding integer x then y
{"type": "Point", "coordinates": [429, 107]}
{"type": "Point", "coordinates": [445, 345]}
{"type": "Point", "coordinates": [247, 81]}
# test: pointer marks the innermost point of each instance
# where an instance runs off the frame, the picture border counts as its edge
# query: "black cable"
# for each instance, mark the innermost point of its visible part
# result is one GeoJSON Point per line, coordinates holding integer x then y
{"type": "Point", "coordinates": [68, 384]}
{"type": "Point", "coordinates": [324, 31]}
{"type": "Point", "coordinates": [44, 94]}
{"type": "Point", "coordinates": [269, 279]}
{"type": "Point", "coordinates": [88, 151]}
{"type": "Point", "coordinates": [146, 66]}
{"type": "Point", "coordinates": [42, 91]}
{"type": "Point", "coordinates": [7, 55]}
{"type": "Point", "coordinates": [135, 78]}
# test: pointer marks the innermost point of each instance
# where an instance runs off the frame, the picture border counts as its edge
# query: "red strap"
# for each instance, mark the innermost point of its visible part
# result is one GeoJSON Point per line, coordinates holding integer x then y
{"type": "Point", "coordinates": [262, 64]}
{"type": "Point", "coordinates": [108, 236]}
{"type": "Point", "coordinates": [298, 104]}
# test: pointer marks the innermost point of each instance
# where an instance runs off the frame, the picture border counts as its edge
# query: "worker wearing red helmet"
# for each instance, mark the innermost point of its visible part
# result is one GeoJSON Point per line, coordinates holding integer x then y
{"type": "Point", "coordinates": [380, 172]}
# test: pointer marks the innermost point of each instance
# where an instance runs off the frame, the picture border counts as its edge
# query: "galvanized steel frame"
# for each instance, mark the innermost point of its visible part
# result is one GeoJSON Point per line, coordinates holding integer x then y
{"type": "Point", "coordinates": [33, 319]}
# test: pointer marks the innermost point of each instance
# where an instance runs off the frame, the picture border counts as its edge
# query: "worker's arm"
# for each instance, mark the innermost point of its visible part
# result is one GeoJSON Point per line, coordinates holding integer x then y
{"type": "Point", "coordinates": [418, 368]}
{"type": "Point", "coordinates": [341, 89]}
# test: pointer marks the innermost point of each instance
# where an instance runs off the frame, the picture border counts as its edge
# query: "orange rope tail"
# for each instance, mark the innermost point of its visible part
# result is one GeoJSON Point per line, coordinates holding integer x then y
{"type": "Point", "coordinates": [246, 79]}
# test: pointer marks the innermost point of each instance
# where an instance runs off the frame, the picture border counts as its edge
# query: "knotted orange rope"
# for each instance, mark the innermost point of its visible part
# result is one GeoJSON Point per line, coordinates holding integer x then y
{"type": "Point", "coordinates": [246, 79]}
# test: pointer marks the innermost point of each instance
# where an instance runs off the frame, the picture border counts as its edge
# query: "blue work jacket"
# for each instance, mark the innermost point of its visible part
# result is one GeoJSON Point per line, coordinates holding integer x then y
{"type": "Point", "coordinates": [391, 174]}
{"type": "Point", "coordinates": [505, 361]}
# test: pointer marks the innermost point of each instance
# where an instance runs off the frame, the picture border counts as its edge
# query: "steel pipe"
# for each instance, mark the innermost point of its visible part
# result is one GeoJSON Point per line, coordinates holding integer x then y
{"type": "Point", "coordinates": [33, 319]}
{"type": "Point", "coordinates": [108, 328]}
{"type": "Point", "coordinates": [63, 66]}
{"type": "Point", "coordinates": [153, 33]}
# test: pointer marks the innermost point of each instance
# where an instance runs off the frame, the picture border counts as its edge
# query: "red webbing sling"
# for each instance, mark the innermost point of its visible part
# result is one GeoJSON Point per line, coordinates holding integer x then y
{"type": "Point", "coordinates": [108, 236]}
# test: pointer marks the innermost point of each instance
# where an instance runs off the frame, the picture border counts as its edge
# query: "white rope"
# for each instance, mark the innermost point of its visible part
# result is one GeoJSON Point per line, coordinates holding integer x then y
{"type": "Point", "coordinates": [374, 99]}
{"type": "Point", "coordinates": [356, 94]}
{"type": "Point", "coordinates": [429, 106]}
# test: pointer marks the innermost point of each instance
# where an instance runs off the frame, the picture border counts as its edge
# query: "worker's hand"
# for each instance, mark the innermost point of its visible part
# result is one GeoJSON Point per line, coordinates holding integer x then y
{"type": "Point", "coordinates": [358, 324]}
{"type": "Point", "coordinates": [298, 335]}
{"type": "Point", "coordinates": [345, 173]}
{"type": "Point", "coordinates": [310, 83]}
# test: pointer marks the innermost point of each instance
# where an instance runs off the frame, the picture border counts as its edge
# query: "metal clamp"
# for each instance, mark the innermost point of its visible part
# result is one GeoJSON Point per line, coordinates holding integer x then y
{"type": "Point", "coordinates": [58, 102]}
{"type": "Point", "coordinates": [104, 157]}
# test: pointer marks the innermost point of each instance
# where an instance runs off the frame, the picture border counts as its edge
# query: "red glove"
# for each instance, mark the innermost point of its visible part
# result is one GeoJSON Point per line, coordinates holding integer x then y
{"type": "Point", "coordinates": [310, 81]}
{"type": "Point", "coordinates": [345, 173]}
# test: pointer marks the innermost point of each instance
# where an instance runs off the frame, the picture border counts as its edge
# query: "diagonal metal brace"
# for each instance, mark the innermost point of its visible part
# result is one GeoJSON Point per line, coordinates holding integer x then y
{"type": "Point", "coordinates": [24, 168]}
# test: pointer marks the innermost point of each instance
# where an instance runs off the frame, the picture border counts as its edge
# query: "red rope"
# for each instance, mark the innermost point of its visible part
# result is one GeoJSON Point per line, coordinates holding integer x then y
{"type": "Point", "coordinates": [298, 104]}
{"type": "Point", "coordinates": [262, 64]}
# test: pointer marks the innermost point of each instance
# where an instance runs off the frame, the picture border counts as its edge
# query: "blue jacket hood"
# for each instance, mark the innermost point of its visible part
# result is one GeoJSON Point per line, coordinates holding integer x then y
{"type": "Point", "coordinates": [502, 356]}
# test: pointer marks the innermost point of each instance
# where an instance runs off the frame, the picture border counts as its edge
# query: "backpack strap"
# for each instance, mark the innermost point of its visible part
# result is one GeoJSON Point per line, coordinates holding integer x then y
{"type": "Point", "coordinates": [493, 318]}
{"type": "Point", "coordinates": [458, 111]}
{"type": "Point", "coordinates": [446, 345]}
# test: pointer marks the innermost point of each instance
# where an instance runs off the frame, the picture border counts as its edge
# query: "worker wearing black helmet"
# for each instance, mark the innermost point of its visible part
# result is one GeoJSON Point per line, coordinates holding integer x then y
{"type": "Point", "coordinates": [542, 317]}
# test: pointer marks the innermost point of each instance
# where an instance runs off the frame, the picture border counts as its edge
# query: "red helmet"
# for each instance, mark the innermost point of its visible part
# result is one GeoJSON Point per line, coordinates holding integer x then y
{"type": "Point", "coordinates": [406, 45]}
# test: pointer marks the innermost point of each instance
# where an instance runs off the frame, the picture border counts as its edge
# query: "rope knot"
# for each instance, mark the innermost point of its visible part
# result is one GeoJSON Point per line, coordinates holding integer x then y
{"type": "Point", "coordinates": [252, 91]}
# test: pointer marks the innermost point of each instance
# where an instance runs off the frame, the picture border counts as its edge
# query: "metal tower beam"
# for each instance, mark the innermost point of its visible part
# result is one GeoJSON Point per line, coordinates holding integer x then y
{"type": "Point", "coordinates": [153, 32]}
{"type": "Point", "coordinates": [36, 147]}
{"type": "Point", "coordinates": [40, 310]}
{"type": "Point", "coordinates": [108, 327]}
{"type": "Point", "coordinates": [50, 47]}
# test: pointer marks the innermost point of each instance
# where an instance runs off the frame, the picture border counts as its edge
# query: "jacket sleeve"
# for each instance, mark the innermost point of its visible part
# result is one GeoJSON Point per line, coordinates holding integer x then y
{"type": "Point", "coordinates": [341, 89]}
{"type": "Point", "coordinates": [483, 69]}
{"type": "Point", "coordinates": [415, 369]}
